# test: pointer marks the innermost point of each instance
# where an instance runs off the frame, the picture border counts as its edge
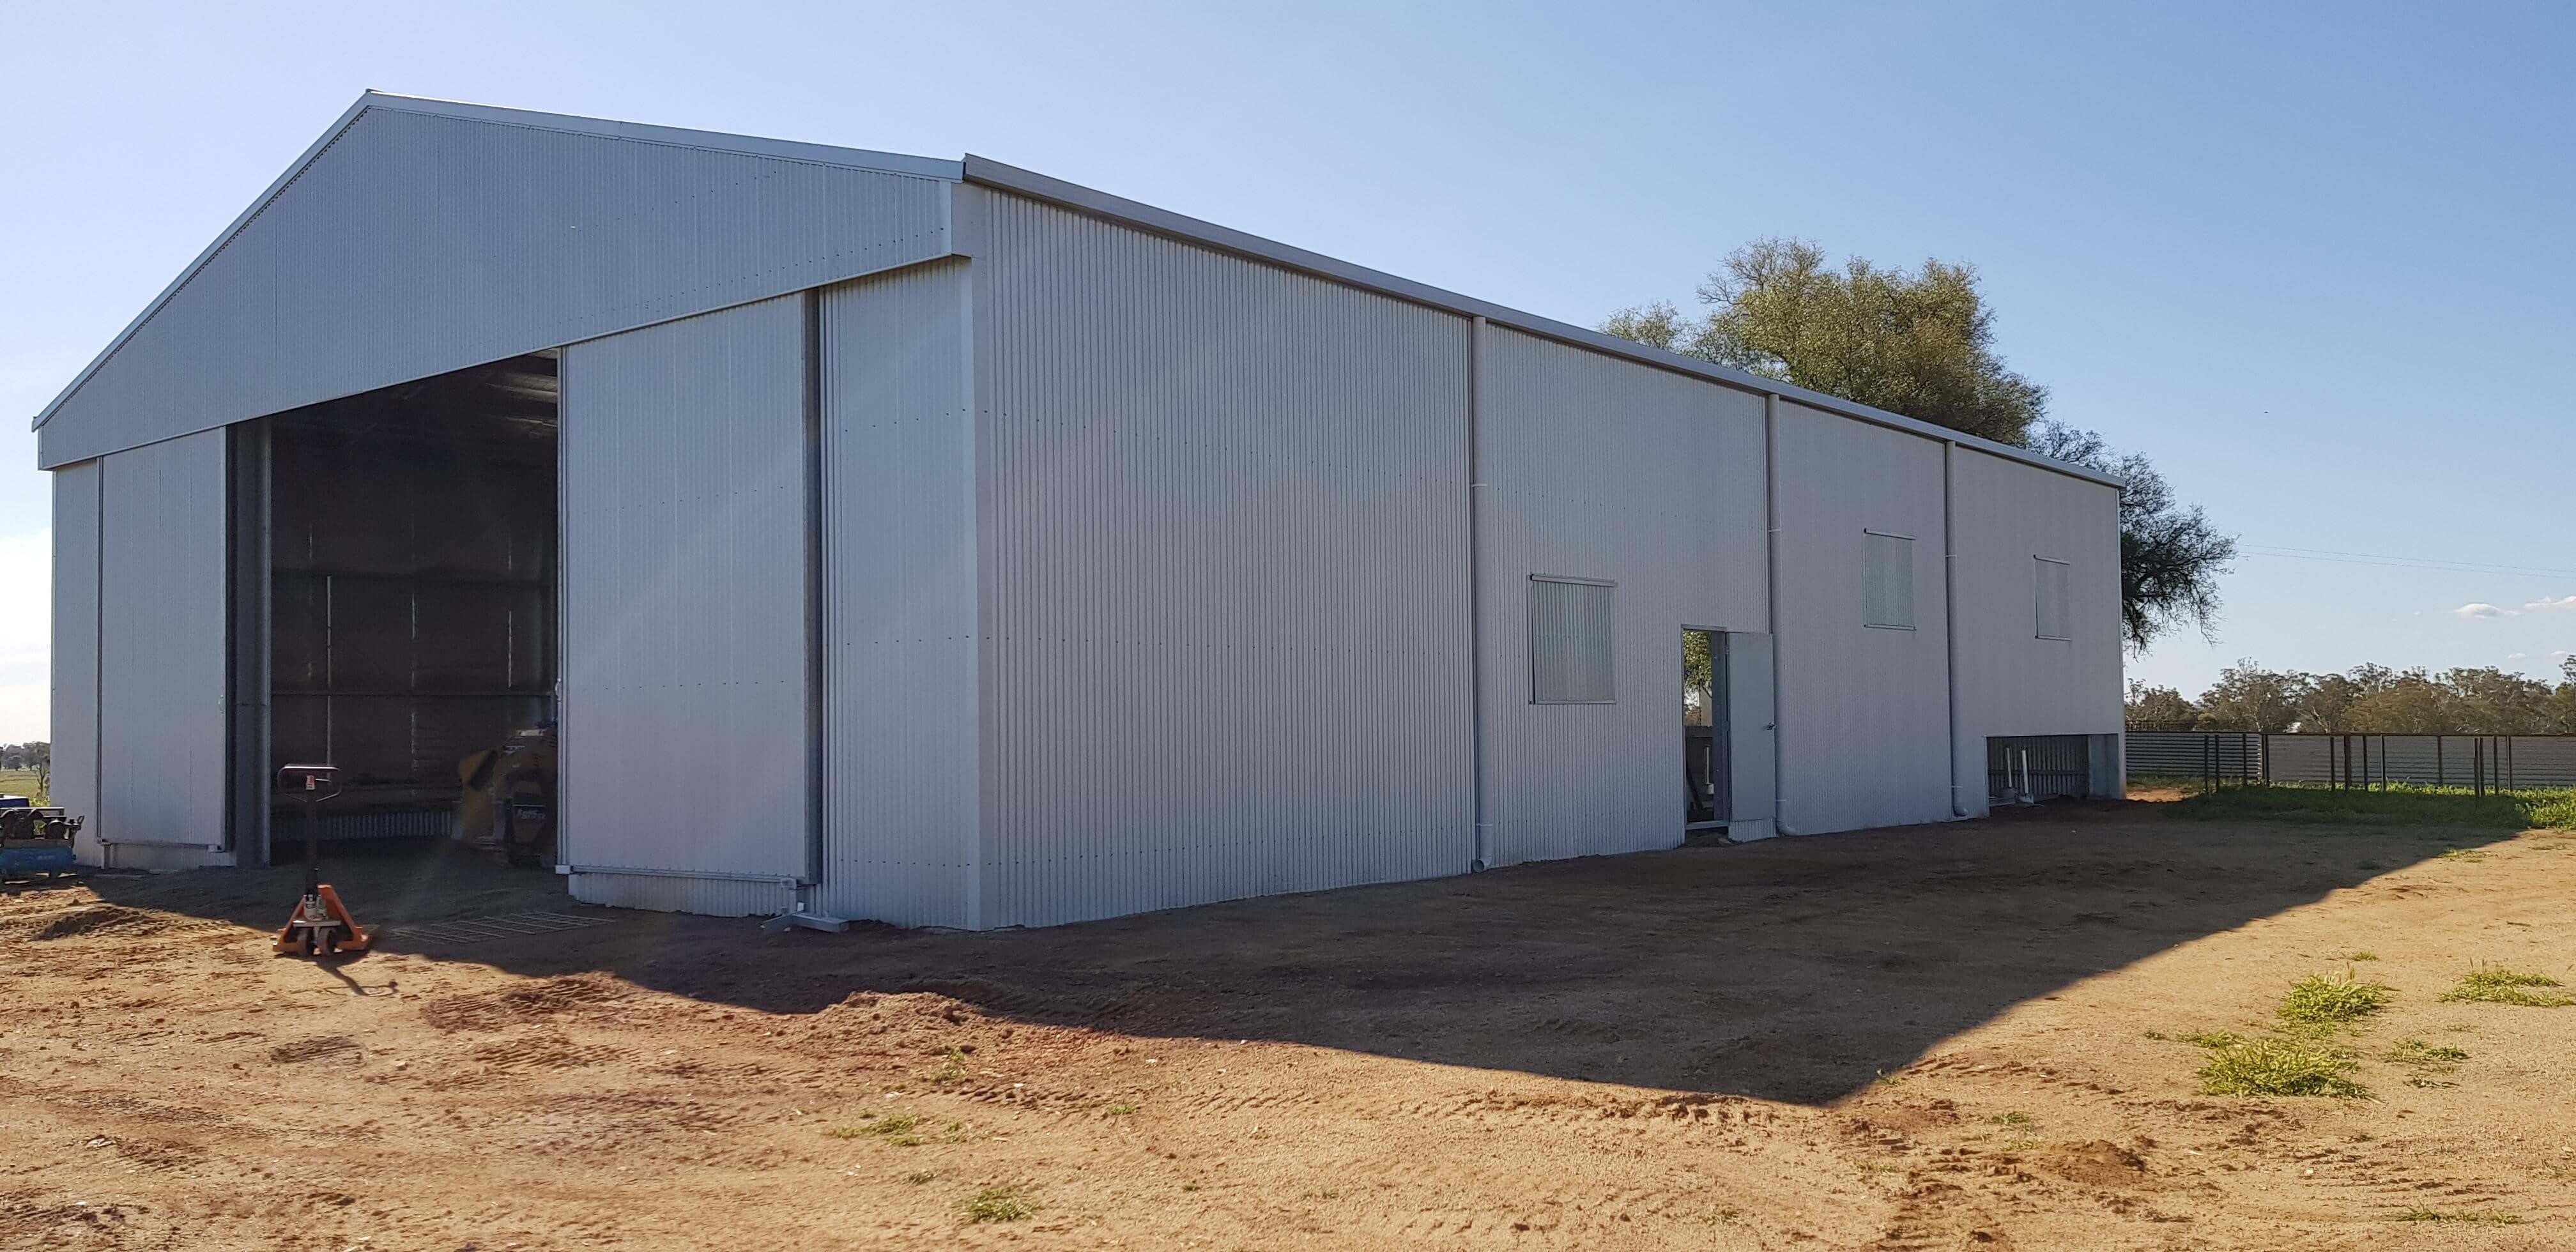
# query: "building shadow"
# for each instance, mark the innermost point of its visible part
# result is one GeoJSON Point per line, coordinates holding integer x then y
{"type": "Point", "coordinates": [1794, 969]}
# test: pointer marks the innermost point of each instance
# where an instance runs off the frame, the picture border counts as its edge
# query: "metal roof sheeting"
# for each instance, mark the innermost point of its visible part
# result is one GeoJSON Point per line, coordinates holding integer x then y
{"type": "Point", "coordinates": [446, 246]}
{"type": "Point", "coordinates": [417, 239]}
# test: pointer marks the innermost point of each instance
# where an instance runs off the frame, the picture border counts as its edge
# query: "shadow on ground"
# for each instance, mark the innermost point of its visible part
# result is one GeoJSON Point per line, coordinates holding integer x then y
{"type": "Point", "coordinates": [1795, 969]}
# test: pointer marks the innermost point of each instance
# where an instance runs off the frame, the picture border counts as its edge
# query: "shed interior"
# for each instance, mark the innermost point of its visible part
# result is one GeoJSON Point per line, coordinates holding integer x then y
{"type": "Point", "coordinates": [412, 575]}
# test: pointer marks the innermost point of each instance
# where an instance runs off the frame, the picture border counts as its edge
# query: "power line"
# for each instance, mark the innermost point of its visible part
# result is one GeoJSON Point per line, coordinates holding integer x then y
{"type": "Point", "coordinates": [2391, 561]}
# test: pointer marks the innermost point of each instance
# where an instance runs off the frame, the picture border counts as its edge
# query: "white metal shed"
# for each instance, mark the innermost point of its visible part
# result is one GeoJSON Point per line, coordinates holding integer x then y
{"type": "Point", "coordinates": [1000, 552]}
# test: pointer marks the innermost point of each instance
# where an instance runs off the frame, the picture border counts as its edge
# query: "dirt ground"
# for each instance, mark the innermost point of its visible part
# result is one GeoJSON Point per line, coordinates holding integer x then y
{"type": "Point", "coordinates": [1945, 1037]}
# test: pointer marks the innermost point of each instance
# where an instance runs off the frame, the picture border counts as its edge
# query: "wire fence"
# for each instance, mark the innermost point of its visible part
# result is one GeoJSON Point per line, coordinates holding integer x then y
{"type": "Point", "coordinates": [2479, 763]}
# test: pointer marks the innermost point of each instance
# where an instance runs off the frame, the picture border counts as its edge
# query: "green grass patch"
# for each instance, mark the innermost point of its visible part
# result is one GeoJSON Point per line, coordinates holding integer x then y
{"type": "Point", "coordinates": [24, 782]}
{"type": "Point", "coordinates": [2319, 1001]}
{"type": "Point", "coordinates": [2012, 1119]}
{"type": "Point", "coordinates": [997, 1204]}
{"type": "Point", "coordinates": [2277, 1067]}
{"type": "Point", "coordinates": [1122, 1110]}
{"type": "Point", "coordinates": [2493, 985]}
{"type": "Point", "coordinates": [2361, 956]}
{"type": "Point", "coordinates": [2399, 804]}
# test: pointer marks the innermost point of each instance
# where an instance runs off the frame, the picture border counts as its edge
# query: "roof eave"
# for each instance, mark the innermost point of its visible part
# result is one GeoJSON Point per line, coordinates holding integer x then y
{"type": "Point", "coordinates": [992, 173]}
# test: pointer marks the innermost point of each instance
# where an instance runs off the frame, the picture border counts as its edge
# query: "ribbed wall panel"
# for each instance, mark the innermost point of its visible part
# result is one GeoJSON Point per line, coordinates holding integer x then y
{"type": "Point", "coordinates": [75, 649]}
{"type": "Point", "coordinates": [685, 737]}
{"type": "Point", "coordinates": [162, 612]}
{"type": "Point", "coordinates": [1864, 713]}
{"type": "Point", "coordinates": [899, 719]}
{"type": "Point", "coordinates": [2011, 681]}
{"type": "Point", "coordinates": [1222, 550]}
{"type": "Point", "coordinates": [1594, 467]}
{"type": "Point", "coordinates": [419, 243]}
{"type": "Point", "coordinates": [712, 897]}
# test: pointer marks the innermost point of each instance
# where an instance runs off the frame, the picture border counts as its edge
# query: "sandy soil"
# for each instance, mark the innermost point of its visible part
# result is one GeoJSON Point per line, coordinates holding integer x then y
{"type": "Point", "coordinates": [1929, 1038]}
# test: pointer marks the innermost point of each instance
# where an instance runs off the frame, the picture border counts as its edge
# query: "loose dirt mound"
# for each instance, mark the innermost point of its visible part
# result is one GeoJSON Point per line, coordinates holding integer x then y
{"type": "Point", "coordinates": [532, 1002]}
{"type": "Point", "coordinates": [90, 919]}
{"type": "Point", "coordinates": [2099, 1163]}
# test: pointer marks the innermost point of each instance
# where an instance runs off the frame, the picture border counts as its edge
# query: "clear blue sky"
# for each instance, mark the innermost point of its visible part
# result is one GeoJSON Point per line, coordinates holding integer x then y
{"type": "Point", "coordinates": [2319, 261]}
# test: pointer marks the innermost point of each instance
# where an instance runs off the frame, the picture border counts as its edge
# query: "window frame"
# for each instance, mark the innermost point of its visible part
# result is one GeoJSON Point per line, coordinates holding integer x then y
{"type": "Point", "coordinates": [1869, 571]}
{"type": "Point", "coordinates": [1609, 642]}
{"type": "Point", "coordinates": [2040, 601]}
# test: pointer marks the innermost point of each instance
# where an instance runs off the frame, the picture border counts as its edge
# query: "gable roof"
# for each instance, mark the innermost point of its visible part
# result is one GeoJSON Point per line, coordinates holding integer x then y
{"type": "Point", "coordinates": [392, 249]}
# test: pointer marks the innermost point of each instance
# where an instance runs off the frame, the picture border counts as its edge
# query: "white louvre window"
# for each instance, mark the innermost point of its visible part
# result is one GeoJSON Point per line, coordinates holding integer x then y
{"type": "Point", "coordinates": [2051, 583]}
{"type": "Point", "coordinates": [1887, 580]}
{"type": "Point", "coordinates": [1570, 641]}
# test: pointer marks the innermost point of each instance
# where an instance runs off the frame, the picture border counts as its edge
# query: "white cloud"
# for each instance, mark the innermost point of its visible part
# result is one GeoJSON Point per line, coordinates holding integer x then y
{"type": "Point", "coordinates": [2544, 604]}
{"type": "Point", "coordinates": [2481, 608]}
{"type": "Point", "coordinates": [2515, 656]}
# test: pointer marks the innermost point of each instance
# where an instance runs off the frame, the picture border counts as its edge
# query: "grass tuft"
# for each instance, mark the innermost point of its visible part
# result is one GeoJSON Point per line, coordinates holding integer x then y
{"type": "Point", "coordinates": [2423, 1055]}
{"type": "Point", "coordinates": [997, 1204]}
{"type": "Point", "coordinates": [896, 1129]}
{"type": "Point", "coordinates": [1121, 1110]}
{"type": "Point", "coordinates": [2361, 956]}
{"type": "Point", "coordinates": [2277, 1067]}
{"type": "Point", "coordinates": [2317, 1000]}
{"type": "Point", "coordinates": [2489, 984]}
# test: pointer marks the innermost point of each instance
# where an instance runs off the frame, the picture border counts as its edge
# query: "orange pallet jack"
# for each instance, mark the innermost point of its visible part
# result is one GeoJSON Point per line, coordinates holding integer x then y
{"type": "Point", "coordinates": [321, 925]}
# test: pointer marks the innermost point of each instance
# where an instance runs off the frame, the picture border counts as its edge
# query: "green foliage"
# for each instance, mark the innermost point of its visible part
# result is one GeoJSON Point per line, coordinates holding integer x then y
{"type": "Point", "coordinates": [1699, 677]}
{"type": "Point", "coordinates": [2317, 1000]}
{"type": "Point", "coordinates": [2170, 554]}
{"type": "Point", "coordinates": [2492, 985]}
{"type": "Point", "coordinates": [1921, 342]}
{"type": "Point", "coordinates": [2370, 699]}
{"type": "Point", "coordinates": [997, 1204]}
{"type": "Point", "coordinates": [2399, 804]}
{"type": "Point", "coordinates": [2279, 1066]}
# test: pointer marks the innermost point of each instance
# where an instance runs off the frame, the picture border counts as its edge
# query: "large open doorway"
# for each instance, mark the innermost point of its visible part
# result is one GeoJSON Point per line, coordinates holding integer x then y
{"type": "Point", "coordinates": [411, 621]}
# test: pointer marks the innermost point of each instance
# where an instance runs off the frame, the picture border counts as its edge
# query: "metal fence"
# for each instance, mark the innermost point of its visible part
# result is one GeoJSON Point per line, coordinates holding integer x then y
{"type": "Point", "coordinates": [2479, 762]}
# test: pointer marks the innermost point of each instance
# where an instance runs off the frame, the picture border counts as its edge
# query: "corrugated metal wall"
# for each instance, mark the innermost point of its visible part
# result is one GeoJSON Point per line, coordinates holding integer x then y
{"type": "Point", "coordinates": [2011, 682]}
{"type": "Point", "coordinates": [419, 243]}
{"type": "Point", "coordinates": [1864, 716]}
{"type": "Point", "coordinates": [711, 897]}
{"type": "Point", "coordinates": [162, 613]}
{"type": "Point", "coordinates": [686, 743]}
{"type": "Point", "coordinates": [1224, 579]}
{"type": "Point", "coordinates": [75, 648]}
{"type": "Point", "coordinates": [1594, 467]}
{"type": "Point", "coordinates": [899, 720]}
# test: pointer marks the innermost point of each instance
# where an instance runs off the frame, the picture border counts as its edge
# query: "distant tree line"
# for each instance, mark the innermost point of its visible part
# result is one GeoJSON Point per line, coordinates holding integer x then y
{"type": "Point", "coordinates": [2369, 699]}
{"type": "Point", "coordinates": [34, 754]}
